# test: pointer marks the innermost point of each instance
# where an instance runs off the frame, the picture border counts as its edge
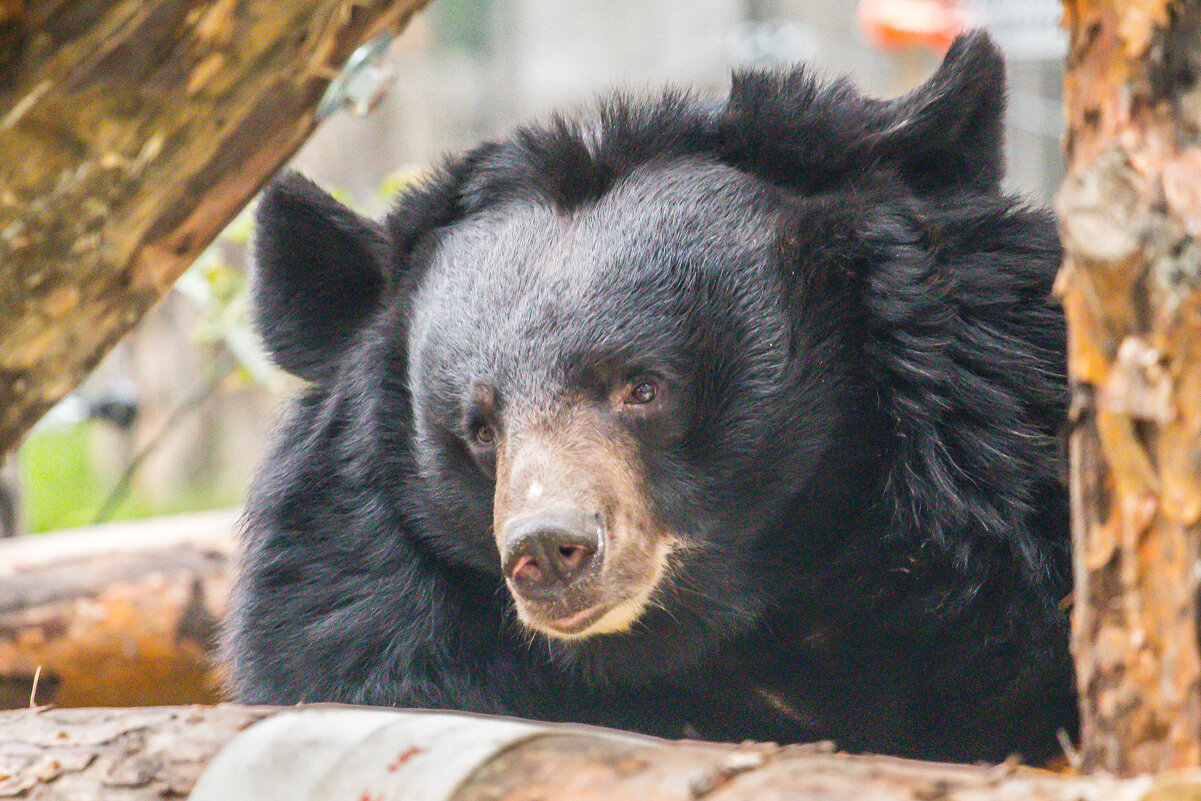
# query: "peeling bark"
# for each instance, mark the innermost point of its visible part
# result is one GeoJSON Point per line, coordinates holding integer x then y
{"type": "Point", "coordinates": [131, 132]}
{"type": "Point", "coordinates": [1130, 213]}
{"type": "Point", "coordinates": [111, 754]}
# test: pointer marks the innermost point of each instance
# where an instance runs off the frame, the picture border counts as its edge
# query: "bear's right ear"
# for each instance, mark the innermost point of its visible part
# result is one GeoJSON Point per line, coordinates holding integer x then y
{"type": "Point", "coordinates": [950, 130]}
{"type": "Point", "coordinates": [319, 275]}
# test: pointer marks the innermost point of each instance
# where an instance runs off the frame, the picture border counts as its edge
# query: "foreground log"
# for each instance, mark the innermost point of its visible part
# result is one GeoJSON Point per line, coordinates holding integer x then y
{"type": "Point", "coordinates": [110, 754]}
{"type": "Point", "coordinates": [116, 615]}
{"type": "Point", "coordinates": [131, 132]}
{"type": "Point", "coordinates": [1131, 218]}
{"type": "Point", "coordinates": [341, 753]}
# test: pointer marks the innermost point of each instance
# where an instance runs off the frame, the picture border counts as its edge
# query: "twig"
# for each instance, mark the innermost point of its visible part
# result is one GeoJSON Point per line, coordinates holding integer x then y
{"type": "Point", "coordinates": [33, 692]}
{"type": "Point", "coordinates": [218, 369]}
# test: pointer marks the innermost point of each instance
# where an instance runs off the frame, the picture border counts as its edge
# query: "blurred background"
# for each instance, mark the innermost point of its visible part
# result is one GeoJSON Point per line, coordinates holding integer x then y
{"type": "Point", "coordinates": [176, 417]}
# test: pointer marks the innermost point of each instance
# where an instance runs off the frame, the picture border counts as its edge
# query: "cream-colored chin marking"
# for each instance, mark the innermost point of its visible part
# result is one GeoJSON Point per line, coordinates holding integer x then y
{"type": "Point", "coordinates": [617, 619]}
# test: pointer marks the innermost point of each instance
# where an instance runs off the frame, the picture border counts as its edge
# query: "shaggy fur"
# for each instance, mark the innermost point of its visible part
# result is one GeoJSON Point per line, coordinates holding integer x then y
{"type": "Point", "coordinates": [860, 451]}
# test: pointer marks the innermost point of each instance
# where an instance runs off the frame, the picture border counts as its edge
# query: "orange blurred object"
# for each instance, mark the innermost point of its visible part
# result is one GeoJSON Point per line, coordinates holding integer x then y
{"type": "Point", "coordinates": [893, 24]}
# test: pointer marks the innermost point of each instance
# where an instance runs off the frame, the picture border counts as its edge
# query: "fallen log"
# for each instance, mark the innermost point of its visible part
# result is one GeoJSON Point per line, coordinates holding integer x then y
{"type": "Point", "coordinates": [323, 753]}
{"type": "Point", "coordinates": [116, 615]}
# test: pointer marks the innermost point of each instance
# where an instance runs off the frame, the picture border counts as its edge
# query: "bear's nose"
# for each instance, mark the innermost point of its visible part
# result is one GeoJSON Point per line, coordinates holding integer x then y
{"type": "Point", "coordinates": [546, 552]}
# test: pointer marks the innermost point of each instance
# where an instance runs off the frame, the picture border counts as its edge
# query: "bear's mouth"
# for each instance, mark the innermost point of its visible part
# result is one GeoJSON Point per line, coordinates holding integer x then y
{"type": "Point", "coordinates": [605, 617]}
{"type": "Point", "coordinates": [602, 608]}
{"type": "Point", "coordinates": [579, 622]}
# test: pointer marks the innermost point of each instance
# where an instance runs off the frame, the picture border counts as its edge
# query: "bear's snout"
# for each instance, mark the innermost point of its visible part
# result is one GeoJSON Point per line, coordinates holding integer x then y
{"type": "Point", "coordinates": [579, 549]}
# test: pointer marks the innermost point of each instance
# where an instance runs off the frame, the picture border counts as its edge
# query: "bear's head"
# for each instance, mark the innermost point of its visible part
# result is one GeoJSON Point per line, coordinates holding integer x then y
{"type": "Point", "coordinates": [612, 361]}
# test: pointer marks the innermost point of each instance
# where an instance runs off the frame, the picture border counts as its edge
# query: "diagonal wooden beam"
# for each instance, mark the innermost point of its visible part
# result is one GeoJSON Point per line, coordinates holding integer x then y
{"type": "Point", "coordinates": [131, 132]}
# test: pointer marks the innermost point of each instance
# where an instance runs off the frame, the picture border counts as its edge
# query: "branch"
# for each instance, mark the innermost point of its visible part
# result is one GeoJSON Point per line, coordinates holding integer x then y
{"type": "Point", "coordinates": [131, 132]}
{"type": "Point", "coordinates": [1130, 216]}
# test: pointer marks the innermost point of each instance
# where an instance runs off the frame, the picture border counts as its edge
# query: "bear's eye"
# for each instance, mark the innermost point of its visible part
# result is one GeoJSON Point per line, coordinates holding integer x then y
{"type": "Point", "coordinates": [642, 393]}
{"type": "Point", "coordinates": [483, 434]}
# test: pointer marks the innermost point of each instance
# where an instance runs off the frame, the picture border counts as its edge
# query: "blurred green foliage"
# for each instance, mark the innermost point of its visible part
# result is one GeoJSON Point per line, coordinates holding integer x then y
{"type": "Point", "coordinates": [62, 488]}
{"type": "Point", "coordinates": [457, 24]}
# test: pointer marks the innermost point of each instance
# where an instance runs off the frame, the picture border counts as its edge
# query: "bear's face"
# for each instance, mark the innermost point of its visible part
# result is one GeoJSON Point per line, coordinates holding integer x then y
{"type": "Point", "coordinates": [593, 386]}
{"type": "Point", "coordinates": [600, 362]}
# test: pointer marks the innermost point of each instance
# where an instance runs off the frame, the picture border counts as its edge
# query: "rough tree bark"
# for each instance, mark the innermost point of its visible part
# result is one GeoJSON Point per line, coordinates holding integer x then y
{"type": "Point", "coordinates": [113, 754]}
{"type": "Point", "coordinates": [116, 615]}
{"type": "Point", "coordinates": [1131, 285]}
{"type": "Point", "coordinates": [130, 133]}
{"type": "Point", "coordinates": [331, 754]}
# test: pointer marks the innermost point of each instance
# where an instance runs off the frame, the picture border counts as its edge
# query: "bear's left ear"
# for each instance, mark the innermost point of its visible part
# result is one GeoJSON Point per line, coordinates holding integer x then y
{"type": "Point", "coordinates": [948, 131]}
{"type": "Point", "coordinates": [319, 275]}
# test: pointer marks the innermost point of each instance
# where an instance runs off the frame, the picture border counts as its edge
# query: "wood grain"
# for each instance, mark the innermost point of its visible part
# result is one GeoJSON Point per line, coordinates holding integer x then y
{"type": "Point", "coordinates": [131, 132]}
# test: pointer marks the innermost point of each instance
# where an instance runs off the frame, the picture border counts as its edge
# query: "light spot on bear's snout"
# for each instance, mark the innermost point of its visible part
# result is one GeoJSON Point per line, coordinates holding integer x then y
{"type": "Point", "coordinates": [535, 491]}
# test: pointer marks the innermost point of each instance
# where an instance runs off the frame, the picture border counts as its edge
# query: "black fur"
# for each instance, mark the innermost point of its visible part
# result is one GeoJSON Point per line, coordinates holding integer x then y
{"type": "Point", "coordinates": [862, 457]}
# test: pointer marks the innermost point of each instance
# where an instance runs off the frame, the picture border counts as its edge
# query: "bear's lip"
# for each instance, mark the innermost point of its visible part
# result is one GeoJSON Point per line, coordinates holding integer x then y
{"type": "Point", "coordinates": [579, 621]}
{"type": "Point", "coordinates": [553, 620]}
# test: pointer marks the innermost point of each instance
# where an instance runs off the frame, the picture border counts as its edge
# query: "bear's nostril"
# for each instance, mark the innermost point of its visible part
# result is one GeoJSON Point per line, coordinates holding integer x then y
{"type": "Point", "coordinates": [566, 557]}
{"type": "Point", "coordinates": [573, 561]}
{"type": "Point", "coordinates": [573, 555]}
{"type": "Point", "coordinates": [527, 571]}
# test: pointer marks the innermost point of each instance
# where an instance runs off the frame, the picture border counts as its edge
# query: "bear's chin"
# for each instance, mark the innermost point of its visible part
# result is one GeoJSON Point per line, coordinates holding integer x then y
{"type": "Point", "coordinates": [604, 617]}
{"type": "Point", "coordinates": [653, 646]}
{"type": "Point", "coordinates": [664, 639]}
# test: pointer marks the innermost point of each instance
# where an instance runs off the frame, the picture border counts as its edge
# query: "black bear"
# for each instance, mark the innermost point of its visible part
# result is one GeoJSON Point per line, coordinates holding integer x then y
{"type": "Point", "coordinates": [724, 420]}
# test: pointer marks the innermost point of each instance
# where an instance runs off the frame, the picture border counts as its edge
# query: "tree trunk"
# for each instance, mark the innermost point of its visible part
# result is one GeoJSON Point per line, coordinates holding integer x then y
{"type": "Point", "coordinates": [117, 615]}
{"type": "Point", "coordinates": [1130, 214]}
{"type": "Point", "coordinates": [338, 753]}
{"type": "Point", "coordinates": [130, 133]}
